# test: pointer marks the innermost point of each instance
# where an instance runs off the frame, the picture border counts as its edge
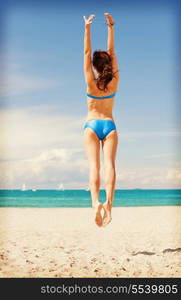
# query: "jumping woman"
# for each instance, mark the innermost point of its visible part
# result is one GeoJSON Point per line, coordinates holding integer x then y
{"type": "Point", "coordinates": [102, 77]}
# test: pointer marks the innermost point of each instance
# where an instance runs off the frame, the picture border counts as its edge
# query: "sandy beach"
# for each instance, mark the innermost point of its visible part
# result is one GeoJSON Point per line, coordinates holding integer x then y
{"type": "Point", "coordinates": [65, 242]}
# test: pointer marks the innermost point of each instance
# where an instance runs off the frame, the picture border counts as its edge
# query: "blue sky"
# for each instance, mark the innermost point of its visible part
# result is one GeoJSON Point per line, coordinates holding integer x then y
{"type": "Point", "coordinates": [43, 94]}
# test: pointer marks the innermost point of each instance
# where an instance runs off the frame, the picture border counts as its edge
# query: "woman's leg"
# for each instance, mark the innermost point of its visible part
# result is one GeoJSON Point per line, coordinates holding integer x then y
{"type": "Point", "coordinates": [109, 146]}
{"type": "Point", "coordinates": [92, 148]}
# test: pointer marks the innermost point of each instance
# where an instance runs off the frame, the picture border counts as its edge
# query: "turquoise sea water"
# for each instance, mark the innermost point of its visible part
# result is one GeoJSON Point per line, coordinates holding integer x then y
{"type": "Point", "coordinates": [82, 198]}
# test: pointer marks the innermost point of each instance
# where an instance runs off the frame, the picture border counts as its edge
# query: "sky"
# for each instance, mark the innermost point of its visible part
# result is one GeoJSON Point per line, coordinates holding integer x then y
{"type": "Point", "coordinates": [43, 93]}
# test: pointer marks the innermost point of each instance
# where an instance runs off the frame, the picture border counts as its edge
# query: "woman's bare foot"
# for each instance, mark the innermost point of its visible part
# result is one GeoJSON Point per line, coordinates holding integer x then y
{"type": "Point", "coordinates": [97, 213]}
{"type": "Point", "coordinates": [107, 213]}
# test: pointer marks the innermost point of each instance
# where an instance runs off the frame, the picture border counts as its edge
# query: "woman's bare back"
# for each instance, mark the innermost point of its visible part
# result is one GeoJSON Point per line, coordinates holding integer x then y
{"type": "Point", "coordinates": [101, 108]}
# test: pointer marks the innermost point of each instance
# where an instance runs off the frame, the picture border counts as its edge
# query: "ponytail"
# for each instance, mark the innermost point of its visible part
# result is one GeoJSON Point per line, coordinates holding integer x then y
{"type": "Point", "coordinates": [105, 77]}
{"type": "Point", "coordinates": [102, 62]}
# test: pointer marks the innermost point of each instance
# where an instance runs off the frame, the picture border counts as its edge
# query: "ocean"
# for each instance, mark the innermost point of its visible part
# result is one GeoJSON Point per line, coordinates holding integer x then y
{"type": "Point", "coordinates": [82, 198]}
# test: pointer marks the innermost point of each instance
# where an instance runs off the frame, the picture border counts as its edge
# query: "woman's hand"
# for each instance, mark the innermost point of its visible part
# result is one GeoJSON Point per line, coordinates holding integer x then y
{"type": "Point", "coordinates": [89, 20]}
{"type": "Point", "coordinates": [109, 19]}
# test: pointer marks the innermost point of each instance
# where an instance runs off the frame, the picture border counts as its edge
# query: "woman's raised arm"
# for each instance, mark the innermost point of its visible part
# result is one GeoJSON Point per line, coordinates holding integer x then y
{"type": "Point", "coordinates": [88, 72]}
{"type": "Point", "coordinates": [110, 38]}
{"type": "Point", "coordinates": [110, 44]}
{"type": "Point", "coordinates": [87, 39]}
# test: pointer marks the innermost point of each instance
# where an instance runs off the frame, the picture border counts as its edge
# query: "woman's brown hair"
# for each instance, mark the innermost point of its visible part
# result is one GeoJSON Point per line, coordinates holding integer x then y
{"type": "Point", "coordinates": [103, 64]}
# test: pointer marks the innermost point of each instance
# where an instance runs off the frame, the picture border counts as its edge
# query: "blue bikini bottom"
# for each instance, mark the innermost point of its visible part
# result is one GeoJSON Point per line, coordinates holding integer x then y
{"type": "Point", "coordinates": [101, 127]}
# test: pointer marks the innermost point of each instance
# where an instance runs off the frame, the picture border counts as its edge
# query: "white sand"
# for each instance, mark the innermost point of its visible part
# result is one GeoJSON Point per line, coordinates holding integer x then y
{"type": "Point", "coordinates": [65, 242]}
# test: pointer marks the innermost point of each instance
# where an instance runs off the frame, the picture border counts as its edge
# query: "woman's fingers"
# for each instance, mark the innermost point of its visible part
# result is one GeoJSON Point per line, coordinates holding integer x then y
{"type": "Point", "coordinates": [109, 18]}
{"type": "Point", "coordinates": [107, 15]}
{"type": "Point", "coordinates": [91, 17]}
{"type": "Point", "coordinates": [89, 20]}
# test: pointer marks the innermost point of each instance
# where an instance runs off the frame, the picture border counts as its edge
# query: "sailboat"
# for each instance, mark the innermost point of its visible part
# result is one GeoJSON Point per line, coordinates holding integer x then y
{"type": "Point", "coordinates": [23, 187]}
{"type": "Point", "coordinates": [61, 187]}
{"type": "Point", "coordinates": [88, 189]}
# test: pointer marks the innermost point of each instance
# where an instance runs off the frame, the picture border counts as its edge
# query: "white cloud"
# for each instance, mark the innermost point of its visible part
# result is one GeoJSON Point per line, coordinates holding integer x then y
{"type": "Point", "coordinates": [163, 155]}
{"type": "Point", "coordinates": [47, 169]}
{"type": "Point", "coordinates": [43, 148]}
{"type": "Point", "coordinates": [133, 136]}
{"type": "Point", "coordinates": [150, 177]}
{"type": "Point", "coordinates": [40, 146]}
{"type": "Point", "coordinates": [18, 83]}
{"type": "Point", "coordinates": [174, 174]}
{"type": "Point", "coordinates": [27, 132]}
{"type": "Point", "coordinates": [50, 168]}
